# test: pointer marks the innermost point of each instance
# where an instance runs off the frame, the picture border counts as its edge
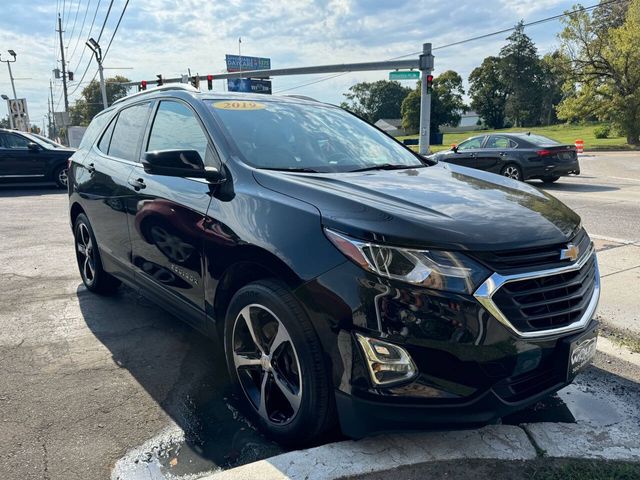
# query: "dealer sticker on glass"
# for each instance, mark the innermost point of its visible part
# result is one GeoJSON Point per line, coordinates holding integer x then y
{"type": "Point", "coordinates": [239, 105]}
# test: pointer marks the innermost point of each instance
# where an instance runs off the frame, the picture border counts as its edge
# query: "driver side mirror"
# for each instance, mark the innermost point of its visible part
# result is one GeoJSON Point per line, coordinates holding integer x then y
{"type": "Point", "coordinates": [454, 148]}
{"type": "Point", "coordinates": [180, 163]}
{"type": "Point", "coordinates": [33, 146]}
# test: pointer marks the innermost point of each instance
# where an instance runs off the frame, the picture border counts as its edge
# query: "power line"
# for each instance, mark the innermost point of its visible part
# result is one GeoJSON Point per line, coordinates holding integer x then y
{"type": "Point", "coordinates": [84, 48]}
{"type": "Point", "coordinates": [473, 39]}
{"type": "Point", "coordinates": [75, 19]}
{"type": "Point", "coordinates": [115, 30]}
{"type": "Point", "coordinates": [86, 11]}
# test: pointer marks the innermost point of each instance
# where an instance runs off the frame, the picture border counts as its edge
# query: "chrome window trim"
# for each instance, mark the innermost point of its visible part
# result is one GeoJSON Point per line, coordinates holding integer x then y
{"type": "Point", "coordinates": [484, 294]}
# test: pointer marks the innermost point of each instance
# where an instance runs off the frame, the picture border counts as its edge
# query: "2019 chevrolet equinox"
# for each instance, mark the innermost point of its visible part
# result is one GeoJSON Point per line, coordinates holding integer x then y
{"type": "Point", "coordinates": [349, 280]}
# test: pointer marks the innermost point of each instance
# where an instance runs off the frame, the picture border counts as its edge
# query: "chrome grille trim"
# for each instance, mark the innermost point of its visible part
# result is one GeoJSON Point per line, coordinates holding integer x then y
{"type": "Point", "coordinates": [491, 285]}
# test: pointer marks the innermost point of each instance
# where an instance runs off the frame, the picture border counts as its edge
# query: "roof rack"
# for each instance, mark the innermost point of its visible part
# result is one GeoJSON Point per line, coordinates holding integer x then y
{"type": "Point", "coordinates": [170, 86]}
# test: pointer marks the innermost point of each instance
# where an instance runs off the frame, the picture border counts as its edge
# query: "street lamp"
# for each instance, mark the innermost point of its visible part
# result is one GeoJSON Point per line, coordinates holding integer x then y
{"type": "Point", "coordinates": [13, 85]}
{"type": "Point", "coordinates": [97, 51]}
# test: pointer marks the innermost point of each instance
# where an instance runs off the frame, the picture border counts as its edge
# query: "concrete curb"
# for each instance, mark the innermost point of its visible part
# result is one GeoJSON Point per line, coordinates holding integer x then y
{"type": "Point", "coordinates": [568, 440]}
{"type": "Point", "coordinates": [338, 460]}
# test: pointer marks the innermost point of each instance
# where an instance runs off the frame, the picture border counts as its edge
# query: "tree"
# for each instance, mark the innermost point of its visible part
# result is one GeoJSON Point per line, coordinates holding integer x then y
{"type": "Point", "coordinates": [488, 92]}
{"type": "Point", "coordinates": [555, 85]}
{"type": "Point", "coordinates": [447, 104]}
{"type": "Point", "coordinates": [4, 122]}
{"type": "Point", "coordinates": [90, 103]}
{"type": "Point", "coordinates": [375, 100]}
{"type": "Point", "coordinates": [606, 69]}
{"type": "Point", "coordinates": [522, 74]}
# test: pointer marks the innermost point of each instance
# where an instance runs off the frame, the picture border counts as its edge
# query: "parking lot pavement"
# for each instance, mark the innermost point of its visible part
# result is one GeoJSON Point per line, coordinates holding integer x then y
{"type": "Point", "coordinates": [85, 378]}
{"type": "Point", "coordinates": [607, 197]}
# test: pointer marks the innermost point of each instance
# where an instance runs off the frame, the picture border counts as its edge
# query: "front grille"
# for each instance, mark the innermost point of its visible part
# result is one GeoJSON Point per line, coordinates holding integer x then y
{"type": "Point", "coordinates": [549, 256]}
{"type": "Point", "coordinates": [548, 302]}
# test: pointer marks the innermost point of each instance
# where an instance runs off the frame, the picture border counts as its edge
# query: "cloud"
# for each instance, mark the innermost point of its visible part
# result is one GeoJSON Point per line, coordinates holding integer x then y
{"type": "Point", "coordinates": [170, 36]}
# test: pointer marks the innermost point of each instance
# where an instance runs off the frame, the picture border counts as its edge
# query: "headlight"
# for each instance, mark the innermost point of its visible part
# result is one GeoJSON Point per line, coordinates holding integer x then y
{"type": "Point", "coordinates": [437, 269]}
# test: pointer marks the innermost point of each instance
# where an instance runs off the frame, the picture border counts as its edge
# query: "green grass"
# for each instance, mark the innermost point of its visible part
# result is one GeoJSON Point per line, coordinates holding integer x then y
{"type": "Point", "coordinates": [562, 133]}
{"type": "Point", "coordinates": [587, 470]}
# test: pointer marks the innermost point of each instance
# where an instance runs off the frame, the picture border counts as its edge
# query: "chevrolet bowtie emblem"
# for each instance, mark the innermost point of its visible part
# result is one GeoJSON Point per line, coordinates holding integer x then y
{"type": "Point", "coordinates": [570, 253]}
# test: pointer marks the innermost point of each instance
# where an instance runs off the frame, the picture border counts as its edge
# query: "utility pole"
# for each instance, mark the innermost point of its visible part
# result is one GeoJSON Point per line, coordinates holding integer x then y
{"type": "Point", "coordinates": [426, 66]}
{"type": "Point", "coordinates": [53, 115]}
{"type": "Point", "coordinates": [97, 51]}
{"type": "Point", "coordinates": [64, 67]}
{"type": "Point", "coordinates": [19, 122]}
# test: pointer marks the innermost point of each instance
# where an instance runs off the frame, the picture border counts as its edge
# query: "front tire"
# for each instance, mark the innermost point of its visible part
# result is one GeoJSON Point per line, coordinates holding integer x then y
{"type": "Point", "coordinates": [276, 363]}
{"type": "Point", "coordinates": [513, 171]}
{"type": "Point", "coordinates": [88, 257]}
{"type": "Point", "coordinates": [60, 177]}
{"type": "Point", "coordinates": [549, 179]}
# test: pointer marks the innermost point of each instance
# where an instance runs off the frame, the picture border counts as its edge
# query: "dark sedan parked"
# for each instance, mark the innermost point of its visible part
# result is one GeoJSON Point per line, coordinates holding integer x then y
{"type": "Point", "coordinates": [27, 157]}
{"type": "Point", "coordinates": [521, 156]}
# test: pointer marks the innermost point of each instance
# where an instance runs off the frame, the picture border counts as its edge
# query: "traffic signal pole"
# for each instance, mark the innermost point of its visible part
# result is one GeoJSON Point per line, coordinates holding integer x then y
{"type": "Point", "coordinates": [426, 66]}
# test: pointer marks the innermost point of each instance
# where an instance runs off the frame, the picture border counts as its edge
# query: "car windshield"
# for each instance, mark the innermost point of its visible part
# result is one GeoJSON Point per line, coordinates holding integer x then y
{"type": "Point", "coordinates": [539, 140]}
{"type": "Point", "coordinates": [307, 137]}
{"type": "Point", "coordinates": [43, 141]}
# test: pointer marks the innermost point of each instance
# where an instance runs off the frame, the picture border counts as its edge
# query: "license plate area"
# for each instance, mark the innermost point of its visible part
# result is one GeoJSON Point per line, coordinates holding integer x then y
{"type": "Point", "coordinates": [580, 351]}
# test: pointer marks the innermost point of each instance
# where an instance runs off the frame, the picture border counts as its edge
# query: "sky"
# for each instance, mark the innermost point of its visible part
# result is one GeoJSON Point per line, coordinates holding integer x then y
{"type": "Point", "coordinates": [170, 36]}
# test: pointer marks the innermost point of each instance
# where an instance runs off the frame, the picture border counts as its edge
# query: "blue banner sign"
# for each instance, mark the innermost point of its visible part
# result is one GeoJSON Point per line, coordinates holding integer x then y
{"type": "Point", "coordinates": [236, 63]}
{"type": "Point", "coordinates": [249, 85]}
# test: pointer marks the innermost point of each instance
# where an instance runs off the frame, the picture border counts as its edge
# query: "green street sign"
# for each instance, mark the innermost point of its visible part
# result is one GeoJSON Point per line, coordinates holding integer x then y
{"type": "Point", "coordinates": [404, 75]}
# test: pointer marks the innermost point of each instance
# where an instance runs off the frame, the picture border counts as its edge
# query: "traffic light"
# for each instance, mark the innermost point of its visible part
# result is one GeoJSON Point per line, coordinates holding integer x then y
{"type": "Point", "coordinates": [159, 80]}
{"type": "Point", "coordinates": [195, 81]}
{"type": "Point", "coordinates": [429, 84]}
{"type": "Point", "coordinates": [70, 74]}
{"type": "Point", "coordinates": [210, 82]}
{"type": "Point", "coordinates": [143, 85]}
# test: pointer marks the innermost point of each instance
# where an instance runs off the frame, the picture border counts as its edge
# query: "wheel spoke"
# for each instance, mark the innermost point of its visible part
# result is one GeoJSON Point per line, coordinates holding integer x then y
{"type": "Point", "coordinates": [246, 315]}
{"type": "Point", "coordinates": [282, 336]}
{"type": "Point", "coordinates": [283, 386]}
{"type": "Point", "coordinates": [262, 409]}
{"type": "Point", "coordinates": [243, 360]}
{"type": "Point", "coordinates": [82, 249]}
{"type": "Point", "coordinates": [88, 268]}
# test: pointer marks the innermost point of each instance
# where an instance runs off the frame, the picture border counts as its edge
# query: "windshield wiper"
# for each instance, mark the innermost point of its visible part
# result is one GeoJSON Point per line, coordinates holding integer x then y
{"type": "Point", "coordinates": [294, 169]}
{"type": "Point", "coordinates": [387, 166]}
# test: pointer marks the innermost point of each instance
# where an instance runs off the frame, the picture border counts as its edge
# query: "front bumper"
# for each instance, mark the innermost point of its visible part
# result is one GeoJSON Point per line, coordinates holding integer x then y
{"type": "Point", "coordinates": [472, 368]}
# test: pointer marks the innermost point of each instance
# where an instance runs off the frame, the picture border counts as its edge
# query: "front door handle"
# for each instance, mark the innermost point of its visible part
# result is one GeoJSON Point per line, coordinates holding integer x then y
{"type": "Point", "coordinates": [137, 184]}
{"type": "Point", "coordinates": [503, 154]}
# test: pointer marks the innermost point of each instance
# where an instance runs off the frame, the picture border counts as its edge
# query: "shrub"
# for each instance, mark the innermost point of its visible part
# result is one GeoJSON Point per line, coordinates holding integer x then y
{"type": "Point", "coordinates": [602, 131]}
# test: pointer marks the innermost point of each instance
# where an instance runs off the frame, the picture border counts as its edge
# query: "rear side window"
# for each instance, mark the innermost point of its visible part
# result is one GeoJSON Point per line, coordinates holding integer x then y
{"type": "Point", "coordinates": [496, 141]}
{"type": "Point", "coordinates": [175, 127]}
{"type": "Point", "coordinates": [128, 132]}
{"type": "Point", "coordinates": [93, 130]}
{"type": "Point", "coordinates": [103, 145]}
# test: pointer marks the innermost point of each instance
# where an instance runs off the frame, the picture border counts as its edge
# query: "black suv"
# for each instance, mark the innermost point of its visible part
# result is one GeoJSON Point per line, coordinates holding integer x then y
{"type": "Point", "coordinates": [348, 278]}
{"type": "Point", "coordinates": [27, 157]}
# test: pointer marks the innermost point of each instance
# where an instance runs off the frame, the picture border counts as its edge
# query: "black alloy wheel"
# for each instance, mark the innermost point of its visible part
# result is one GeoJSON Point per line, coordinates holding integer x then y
{"type": "Point", "coordinates": [276, 363]}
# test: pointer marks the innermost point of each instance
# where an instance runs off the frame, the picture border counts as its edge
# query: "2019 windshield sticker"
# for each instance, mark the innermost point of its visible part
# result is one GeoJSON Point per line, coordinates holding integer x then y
{"type": "Point", "coordinates": [239, 105]}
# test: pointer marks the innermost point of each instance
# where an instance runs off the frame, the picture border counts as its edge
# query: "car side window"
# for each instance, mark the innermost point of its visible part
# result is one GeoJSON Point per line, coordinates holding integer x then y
{"type": "Point", "coordinates": [10, 140]}
{"type": "Point", "coordinates": [471, 144]}
{"type": "Point", "coordinates": [128, 132]}
{"type": "Point", "coordinates": [175, 127]}
{"type": "Point", "coordinates": [103, 144]}
{"type": "Point", "coordinates": [500, 142]}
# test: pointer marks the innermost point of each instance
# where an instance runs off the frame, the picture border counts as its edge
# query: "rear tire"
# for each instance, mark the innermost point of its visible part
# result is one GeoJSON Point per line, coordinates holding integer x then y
{"type": "Point", "coordinates": [88, 257]}
{"type": "Point", "coordinates": [513, 171]}
{"type": "Point", "coordinates": [60, 177]}
{"type": "Point", "coordinates": [550, 179]}
{"type": "Point", "coordinates": [273, 353]}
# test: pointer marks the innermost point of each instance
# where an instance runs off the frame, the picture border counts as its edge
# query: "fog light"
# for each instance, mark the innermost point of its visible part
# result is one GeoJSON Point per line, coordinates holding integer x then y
{"type": "Point", "coordinates": [387, 363]}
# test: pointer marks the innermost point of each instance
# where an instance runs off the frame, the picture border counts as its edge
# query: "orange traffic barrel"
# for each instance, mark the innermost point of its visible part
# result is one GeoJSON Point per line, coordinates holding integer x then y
{"type": "Point", "coordinates": [580, 146]}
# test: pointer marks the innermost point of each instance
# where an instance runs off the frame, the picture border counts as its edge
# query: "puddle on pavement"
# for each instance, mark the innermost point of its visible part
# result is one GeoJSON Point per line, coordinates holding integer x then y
{"type": "Point", "coordinates": [570, 405]}
{"type": "Point", "coordinates": [218, 437]}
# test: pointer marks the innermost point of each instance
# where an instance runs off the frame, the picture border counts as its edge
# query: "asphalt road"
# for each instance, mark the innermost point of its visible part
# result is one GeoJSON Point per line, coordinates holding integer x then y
{"type": "Point", "coordinates": [83, 378]}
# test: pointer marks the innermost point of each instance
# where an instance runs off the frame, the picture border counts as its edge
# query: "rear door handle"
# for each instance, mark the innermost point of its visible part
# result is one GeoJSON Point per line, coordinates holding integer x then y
{"type": "Point", "coordinates": [91, 168]}
{"type": "Point", "coordinates": [137, 184]}
{"type": "Point", "coordinates": [503, 154]}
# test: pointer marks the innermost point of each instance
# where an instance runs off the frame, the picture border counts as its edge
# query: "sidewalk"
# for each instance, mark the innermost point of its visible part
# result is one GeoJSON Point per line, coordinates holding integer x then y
{"type": "Point", "coordinates": [619, 263]}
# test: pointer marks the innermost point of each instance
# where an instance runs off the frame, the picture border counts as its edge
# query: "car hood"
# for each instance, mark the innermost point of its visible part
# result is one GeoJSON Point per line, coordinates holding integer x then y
{"type": "Point", "coordinates": [444, 206]}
